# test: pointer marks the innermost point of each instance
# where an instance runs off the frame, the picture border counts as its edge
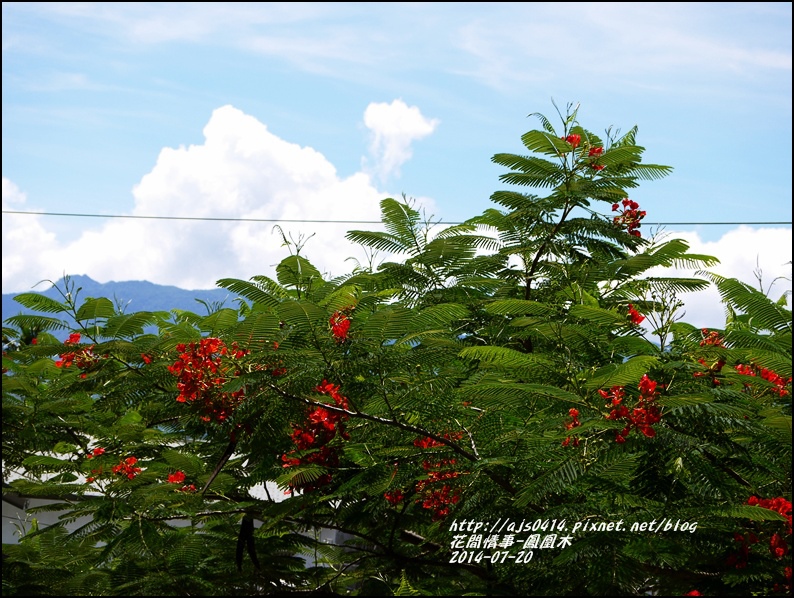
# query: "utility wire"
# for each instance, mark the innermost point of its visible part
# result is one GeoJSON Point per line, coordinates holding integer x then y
{"type": "Point", "coordinates": [311, 221]}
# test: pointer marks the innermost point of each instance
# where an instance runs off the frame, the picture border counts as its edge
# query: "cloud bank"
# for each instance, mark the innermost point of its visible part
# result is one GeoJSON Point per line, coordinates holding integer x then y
{"type": "Point", "coordinates": [394, 128]}
{"type": "Point", "coordinates": [242, 170]}
{"type": "Point", "coordinates": [745, 253]}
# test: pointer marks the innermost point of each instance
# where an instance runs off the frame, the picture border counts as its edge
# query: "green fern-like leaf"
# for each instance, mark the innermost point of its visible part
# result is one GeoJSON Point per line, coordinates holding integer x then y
{"type": "Point", "coordinates": [405, 588]}
{"type": "Point", "coordinates": [622, 374]}
{"type": "Point", "coordinates": [93, 309]}
{"type": "Point", "coordinates": [39, 302]}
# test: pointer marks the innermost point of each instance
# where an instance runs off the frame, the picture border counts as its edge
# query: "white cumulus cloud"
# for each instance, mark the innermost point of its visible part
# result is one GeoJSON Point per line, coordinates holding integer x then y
{"type": "Point", "coordinates": [742, 252]}
{"type": "Point", "coordinates": [25, 242]}
{"type": "Point", "coordinates": [394, 127]}
{"type": "Point", "coordinates": [241, 170]}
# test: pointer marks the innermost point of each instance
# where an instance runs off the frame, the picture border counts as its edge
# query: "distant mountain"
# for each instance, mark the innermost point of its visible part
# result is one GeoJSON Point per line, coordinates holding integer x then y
{"type": "Point", "coordinates": [136, 295]}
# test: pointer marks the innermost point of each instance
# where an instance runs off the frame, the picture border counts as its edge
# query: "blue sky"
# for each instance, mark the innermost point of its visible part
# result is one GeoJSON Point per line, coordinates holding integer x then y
{"type": "Point", "coordinates": [319, 110]}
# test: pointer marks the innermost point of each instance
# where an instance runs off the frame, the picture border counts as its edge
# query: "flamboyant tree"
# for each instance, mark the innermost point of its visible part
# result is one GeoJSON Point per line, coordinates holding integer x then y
{"type": "Point", "coordinates": [481, 414]}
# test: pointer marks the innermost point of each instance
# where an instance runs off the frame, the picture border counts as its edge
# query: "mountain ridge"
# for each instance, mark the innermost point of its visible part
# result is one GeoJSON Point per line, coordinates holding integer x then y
{"type": "Point", "coordinates": [131, 295]}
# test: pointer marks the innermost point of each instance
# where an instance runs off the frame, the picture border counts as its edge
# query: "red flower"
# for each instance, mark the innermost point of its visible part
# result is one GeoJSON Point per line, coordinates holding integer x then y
{"type": "Point", "coordinates": [574, 423]}
{"type": "Point", "coordinates": [616, 394]}
{"type": "Point", "coordinates": [176, 478]}
{"type": "Point", "coordinates": [201, 370]}
{"type": "Point", "coordinates": [438, 500]}
{"type": "Point", "coordinates": [642, 417]}
{"type": "Point", "coordinates": [768, 375]}
{"type": "Point", "coordinates": [574, 140]}
{"type": "Point", "coordinates": [778, 546]}
{"type": "Point", "coordinates": [630, 217]}
{"type": "Point", "coordinates": [426, 442]}
{"type": "Point", "coordinates": [595, 152]}
{"type": "Point", "coordinates": [646, 385]}
{"type": "Point", "coordinates": [395, 497]}
{"type": "Point", "coordinates": [779, 504]}
{"type": "Point", "coordinates": [322, 426]}
{"type": "Point", "coordinates": [83, 357]}
{"type": "Point", "coordinates": [635, 316]}
{"type": "Point", "coordinates": [712, 338]}
{"type": "Point", "coordinates": [127, 467]}
{"type": "Point", "coordinates": [95, 453]}
{"type": "Point", "coordinates": [340, 324]}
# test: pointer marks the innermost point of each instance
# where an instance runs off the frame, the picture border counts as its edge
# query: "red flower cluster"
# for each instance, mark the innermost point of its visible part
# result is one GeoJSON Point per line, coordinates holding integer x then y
{"type": "Point", "coordinates": [574, 423]}
{"type": "Point", "coordinates": [127, 467]}
{"type": "Point", "coordinates": [431, 496]}
{"type": "Point", "coordinates": [778, 546]}
{"type": "Point", "coordinates": [616, 394]}
{"type": "Point", "coordinates": [83, 358]}
{"type": "Point", "coordinates": [95, 453]}
{"type": "Point", "coordinates": [712, 338]}
{"type": "Point", "coordinates": [635, 316]}
{"type": "Point", "coordinates": [322, 426]}
{"type": "Point", "coordinates": [711, 370]}
{"type": "Point", "coordinates": [177, 478]}
{"type": "Point", "coordinates": [202, 369]}
{"type": "Point", "coordinates": [434, 498]}
{"type": "Point", "coordinates": [642, 417]}
{"type": "Point", "coordinates": [768, 375]}
{"type": "Point", "coordinates": [394, 497]}
{"type": "Point", "coordinates": [779, 505]}
{"type": "Point", "coordinates": [596, 152]}
{"type": "Point", "coordinates": [574, 140]}
{"type": "Point", "coordinates": [428, 442]}
{"type": "Point", "coordinates": [438, 500]}
{"type": "Point", "coordinates": [629, 217]}
{"type": "Point", "coordinates": [340, 324]}
{"type": "Point", "coordinates": [98, 473]}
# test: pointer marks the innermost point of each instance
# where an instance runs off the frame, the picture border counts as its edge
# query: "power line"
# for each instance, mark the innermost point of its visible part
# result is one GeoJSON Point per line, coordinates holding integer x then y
{"type": "Point", "coordinates": [312, 221]}
{"type": "Point", "coordinates": [200, 218]}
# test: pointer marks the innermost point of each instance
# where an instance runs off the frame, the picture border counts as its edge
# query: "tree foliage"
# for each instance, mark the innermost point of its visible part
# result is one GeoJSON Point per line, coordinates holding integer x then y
{"type": "Point", "coordinates": [489, 373]}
